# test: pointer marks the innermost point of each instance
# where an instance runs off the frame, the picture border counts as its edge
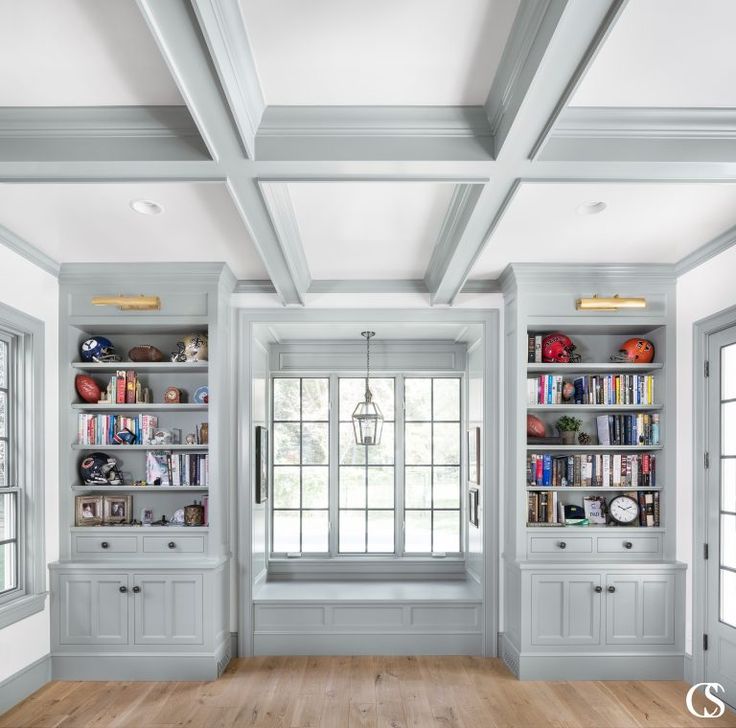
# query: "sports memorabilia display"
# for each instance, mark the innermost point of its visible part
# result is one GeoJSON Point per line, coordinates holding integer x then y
{"type": "Point", "coordinates": [100, 469]}
{"type": "Point", "coordinates": [636, 351]}
{"type": "Point", "coordinates": [558, 348]}
{"type": "Point", "coordinates": [98, 349]}
{"type": "Point", "coordinates": [535, 427]}
{"type": "Point", "coordinates": [145, 353]}
{"type": "Point", "coordinates": [192, 348]}
{"type": "Point", "coordinates": [87, 388]}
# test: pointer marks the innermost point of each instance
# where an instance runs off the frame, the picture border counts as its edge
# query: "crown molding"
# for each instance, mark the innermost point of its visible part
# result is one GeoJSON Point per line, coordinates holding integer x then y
{"type": "Point", "coordinates": [254, 286]}
{"type": "Point", "coordinates": [531, 32]}
{"type": "Point", "coordinates": [30, 252]}
{"type": "Point", "coordinates": [173, 273]}
{"type": "Point", "coordinates": [714, 247]}
{"type": "Point", "coordinates": [547, 275]}
{"type": "Point", "coordinates": [224, 30]}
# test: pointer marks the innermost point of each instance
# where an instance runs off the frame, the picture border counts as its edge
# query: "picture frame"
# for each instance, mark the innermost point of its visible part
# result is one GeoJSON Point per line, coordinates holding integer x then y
{"type": "Point", "coordinates": [261, 464]}
{"type": "Point", "coordinates": [117, 509]}
{"type": "Point", "coordinates": [596, 509]}
{"type": "Point", "coordinates": [473, 507]}
{"type": "Point", "coordinates": [474, 455]}
{"type": "Point", "coordinates": [88, 510]}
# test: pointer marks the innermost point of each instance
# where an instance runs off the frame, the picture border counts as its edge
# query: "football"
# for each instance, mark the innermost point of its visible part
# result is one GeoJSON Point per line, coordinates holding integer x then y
{"type": "Point", "coordinates": [87, 388]}
{"type": "Point", "coordinates": [534, 427]}
{"type": "Point", "coordinates": [145, 352]}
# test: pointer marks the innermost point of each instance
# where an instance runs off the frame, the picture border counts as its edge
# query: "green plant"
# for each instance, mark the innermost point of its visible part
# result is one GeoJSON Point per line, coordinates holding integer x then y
{"type": "Point", "coordinates": [569, 424]}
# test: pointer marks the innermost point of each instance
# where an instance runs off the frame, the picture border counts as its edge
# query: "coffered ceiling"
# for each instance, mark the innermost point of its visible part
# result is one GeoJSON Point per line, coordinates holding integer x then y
{"type": "Point", "coordinates": [426, 142]}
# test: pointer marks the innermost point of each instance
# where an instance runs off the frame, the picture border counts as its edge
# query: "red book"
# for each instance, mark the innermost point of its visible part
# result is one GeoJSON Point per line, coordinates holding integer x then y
{"type": "Point", "coordinates": [120, 393]}
{"type": "Point", "coordinates": [130, 387]}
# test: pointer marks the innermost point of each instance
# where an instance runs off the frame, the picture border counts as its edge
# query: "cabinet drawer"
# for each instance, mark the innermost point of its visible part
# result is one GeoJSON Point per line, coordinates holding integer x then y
{"type": "Point", "coordinates": [560, 545]}
{"type": "Point", "coordinates": [625, 544]}
{"type": "Point", "coordinates": [173, 544]}
{"type": "Point", "coordinates": [105, 544]}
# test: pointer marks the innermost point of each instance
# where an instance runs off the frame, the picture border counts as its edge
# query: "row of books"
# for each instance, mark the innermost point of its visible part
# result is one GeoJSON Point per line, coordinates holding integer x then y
{"type": "Point", "coordinates": [615, 470]}
{"type": "Point", "coordinates": [164, 467]}
{"type": "Point", "coordinates": [548, 509]}
{"type": "Point", "coordinates": [639, 429]}
{"type": "Point", "coordinates": [609, 389]}
{"type": "Point", "coordinates": [124, 388]}
{"type": "Point", "coordinates": [116, 429]}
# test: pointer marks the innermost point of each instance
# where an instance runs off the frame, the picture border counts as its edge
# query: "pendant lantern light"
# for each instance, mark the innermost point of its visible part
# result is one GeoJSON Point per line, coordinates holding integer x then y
{"type": "Point", "coordinates": [367, 417]}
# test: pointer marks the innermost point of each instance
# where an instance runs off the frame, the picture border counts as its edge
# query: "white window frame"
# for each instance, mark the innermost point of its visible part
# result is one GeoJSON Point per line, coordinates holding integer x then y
{"type": "Point", "coordinates": [448, 564]}
{"type": "Point", "coordinates": [25, 336]}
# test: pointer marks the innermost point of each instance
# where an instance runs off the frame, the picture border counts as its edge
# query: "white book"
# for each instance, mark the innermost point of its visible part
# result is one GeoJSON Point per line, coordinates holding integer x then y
{"type": "Point", "coordinates": [616, 470]}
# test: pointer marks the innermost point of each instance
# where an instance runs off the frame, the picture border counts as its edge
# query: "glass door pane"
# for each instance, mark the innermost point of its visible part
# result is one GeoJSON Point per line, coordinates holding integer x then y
{"type": "Point", "coordinates": [727, 561]}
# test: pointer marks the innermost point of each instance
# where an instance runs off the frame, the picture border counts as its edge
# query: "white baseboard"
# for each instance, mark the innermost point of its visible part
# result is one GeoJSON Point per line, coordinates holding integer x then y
{"type": "Point", "coordinates": [24, 682]}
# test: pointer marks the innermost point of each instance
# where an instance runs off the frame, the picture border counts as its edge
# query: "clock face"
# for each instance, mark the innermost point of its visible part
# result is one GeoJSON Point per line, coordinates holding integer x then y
{"type": "Point", "coordinates": [623, 509]}
{"type": "Point", "coordinates": [171, 394]}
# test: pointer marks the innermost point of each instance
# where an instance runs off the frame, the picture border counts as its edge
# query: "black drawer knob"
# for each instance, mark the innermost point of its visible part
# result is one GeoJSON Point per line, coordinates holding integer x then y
{"type": "Point", "coordinates": [611, 589]}
{"type": "Point", "coordinates": [123, 589]}
{"type": "Point", "coordinates": [598, 589]}
{"type": "Point", "coordinates": [562, 545]}
{"type": "Point", "coordinates": [105, 545]}
{"type": "Point", "coordinates": [172, 545]}
{"type": "Point", "coordinates": [136, 589]}
{"type": "Point", "coordinates": [628, 544]}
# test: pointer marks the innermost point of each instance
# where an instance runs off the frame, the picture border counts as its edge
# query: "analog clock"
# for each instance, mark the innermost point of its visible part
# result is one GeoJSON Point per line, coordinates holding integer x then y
{"type": "Point", "coordinates": [624, 510]}
{"type": "Point", "coordinates": [172, 395]}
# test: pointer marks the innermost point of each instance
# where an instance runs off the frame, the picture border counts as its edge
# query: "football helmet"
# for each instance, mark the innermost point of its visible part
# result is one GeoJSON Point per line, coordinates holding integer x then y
{"type": "Point", "coordinates": [99, 468]}
{"type": "Point", "coordinates": [193, 347]}
{"type": "Point", "coordinates": [98, 349]}
{"type": "Point", "coordinates": [558, 348]}
{"type": "Point", "coordinates": [636, 351]}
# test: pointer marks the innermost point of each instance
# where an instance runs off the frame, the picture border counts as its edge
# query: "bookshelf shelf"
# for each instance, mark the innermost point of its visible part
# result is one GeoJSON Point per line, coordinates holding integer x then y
{"type": "Point", "coordinates": [592, 368]}
{"type": "Point", "coordinates": [595, 489]}
{"type": "Point", "coordinates": [145, 529]}
{"type": "Point", "coordinates": [147, 407]}
{"type": "Point", "coordinates": [594, 407]}
{"type": "Point", "coordinates": [140, 488]}
{"type": "Point", "coordinates": [593, 448]}
{"type": "Point", "coordinates": [200, 448]}
{"type": "Point", "coordinates": [163, 367]}
{"type": "Point", "coordinates": [599, 528]}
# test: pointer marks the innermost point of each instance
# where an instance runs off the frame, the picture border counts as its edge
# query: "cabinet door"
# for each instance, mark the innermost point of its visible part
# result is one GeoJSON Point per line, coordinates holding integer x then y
{"type": "Point", "coordinates": [93, 609]}
{"type": "Point", "coordinates": [640, 609]}
{"type": "Point", "coordinates": [566, 609]}
{"type": "Point", "coordinates": [168, 609]}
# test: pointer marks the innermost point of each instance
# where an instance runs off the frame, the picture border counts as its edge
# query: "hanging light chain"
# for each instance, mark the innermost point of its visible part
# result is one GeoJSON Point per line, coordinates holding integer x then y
{"type": "Point", "coordinates": [368, 335]}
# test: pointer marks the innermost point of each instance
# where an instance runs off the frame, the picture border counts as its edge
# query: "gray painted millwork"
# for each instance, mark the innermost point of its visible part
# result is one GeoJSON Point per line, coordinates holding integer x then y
{"type": "Point", "coordinates": [24, 682]}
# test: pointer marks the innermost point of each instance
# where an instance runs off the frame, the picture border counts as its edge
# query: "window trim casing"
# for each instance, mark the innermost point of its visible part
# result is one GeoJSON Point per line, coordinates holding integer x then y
{"type": "Point", "coordinates": [26, 407]}
{"type": "Point", "coordinates": [400, 562]}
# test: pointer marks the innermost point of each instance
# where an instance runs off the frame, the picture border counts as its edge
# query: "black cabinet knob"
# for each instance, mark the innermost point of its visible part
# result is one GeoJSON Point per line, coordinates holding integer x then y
{"type": "Point", "coordinates": [123, 589]}
{"type": "Point", "coordinates": [611, 589]}
{"type": "Point", "coordinates": [562, 545]}
{"type": "Point", "coordinates": [598, 589]}
{"type": "Point", "coordinates": [105, 545]}
{"type": "Point", "coordinates": [136, 589]}
{"type": "Point", "coordinates": [628, 544]}
{"type": "Point", "coordinates": [172, 545]}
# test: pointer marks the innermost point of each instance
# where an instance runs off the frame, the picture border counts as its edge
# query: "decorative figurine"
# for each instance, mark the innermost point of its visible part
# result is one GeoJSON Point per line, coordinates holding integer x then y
{"type": "Point", "coordinates": [194, 514]}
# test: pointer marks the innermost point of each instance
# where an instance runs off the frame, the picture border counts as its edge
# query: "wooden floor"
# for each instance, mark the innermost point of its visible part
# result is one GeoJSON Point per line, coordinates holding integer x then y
{"type": "Point", "coordinates": [351, 692]}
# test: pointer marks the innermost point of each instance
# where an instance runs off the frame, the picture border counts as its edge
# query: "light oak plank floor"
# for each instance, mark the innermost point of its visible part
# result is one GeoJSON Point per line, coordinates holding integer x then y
{"type": "Point", "coordinates": [365, 692]}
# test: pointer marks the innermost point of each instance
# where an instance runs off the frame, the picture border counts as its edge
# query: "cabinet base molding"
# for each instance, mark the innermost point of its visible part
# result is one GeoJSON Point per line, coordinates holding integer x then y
{"type": "Point", "coordinates": [141, 667]}
{"type": "Point", "coordinates": [367, 644]}
{"type": "Point", "coordinates": [24, 682]}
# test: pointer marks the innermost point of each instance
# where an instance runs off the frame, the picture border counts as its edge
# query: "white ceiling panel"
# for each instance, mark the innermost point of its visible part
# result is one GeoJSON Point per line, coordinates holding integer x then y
{"type": "Point", "coordinates": [383, 52]}
{"type": "Point", "coordinates": [80, 53]}
{"type": "Point", "coordinates": [353, 230]}
{"type": "Point", "coordinates": [676, 53]}
{"type": "Point", "coordinates": [642, 223]}
{"type": "Point", "coordinates": [95, 223]}
{"type": "Point", "coordinates": [385, 331]}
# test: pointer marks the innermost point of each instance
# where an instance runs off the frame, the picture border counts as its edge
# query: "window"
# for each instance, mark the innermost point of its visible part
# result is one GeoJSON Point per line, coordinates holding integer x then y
{"type": "Point", "coordinates": [332, 497]}
{"type": "Point", "coordinates": [22, 565]}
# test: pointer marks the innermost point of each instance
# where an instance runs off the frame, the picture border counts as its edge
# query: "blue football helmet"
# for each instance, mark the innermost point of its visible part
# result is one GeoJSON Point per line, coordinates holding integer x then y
{"type": "Point", "coordinates": [98, 349]}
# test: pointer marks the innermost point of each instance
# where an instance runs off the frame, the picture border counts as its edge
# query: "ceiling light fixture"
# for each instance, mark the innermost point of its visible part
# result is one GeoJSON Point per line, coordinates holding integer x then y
{"type": "Point", "coordinates": [614, 303]}
{"type": "Point", "coordinates": [367, 417]}
{"type": "Point", "coordinates": [592, 208]}
{"type": "Point", "coordinates": [146, 207]}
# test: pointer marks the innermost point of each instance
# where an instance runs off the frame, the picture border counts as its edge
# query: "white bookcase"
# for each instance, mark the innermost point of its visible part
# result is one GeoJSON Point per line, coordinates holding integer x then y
{"type": "Point", "coordinates": [594, 601]}
{"type": "Point", "coordinates": [135, 601]}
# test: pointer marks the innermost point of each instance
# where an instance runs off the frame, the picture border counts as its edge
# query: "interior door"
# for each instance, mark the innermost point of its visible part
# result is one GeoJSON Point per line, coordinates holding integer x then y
{"type": "Point", "coordinates": [720, 657]}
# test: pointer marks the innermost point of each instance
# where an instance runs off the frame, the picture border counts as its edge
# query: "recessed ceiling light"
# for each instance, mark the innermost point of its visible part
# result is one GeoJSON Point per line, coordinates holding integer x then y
{"type": "Point", "coordinates": [146, 207]}
{"type": "Point", "coordinates": [592, 208]}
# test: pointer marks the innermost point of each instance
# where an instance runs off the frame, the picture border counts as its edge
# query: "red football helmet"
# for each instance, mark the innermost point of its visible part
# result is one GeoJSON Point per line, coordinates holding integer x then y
{"type": "Point", "coordinates": [558, 348]}
{"type": "Point", "coordinates": [636, 351]}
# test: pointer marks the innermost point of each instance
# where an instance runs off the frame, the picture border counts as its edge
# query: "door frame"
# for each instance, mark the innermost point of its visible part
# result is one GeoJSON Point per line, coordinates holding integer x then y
{"type": "Point", "coordinates": [702, 331]}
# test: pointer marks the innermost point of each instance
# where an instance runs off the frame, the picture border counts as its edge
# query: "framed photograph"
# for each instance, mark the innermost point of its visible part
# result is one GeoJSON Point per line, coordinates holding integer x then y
{"type": "Point", "coordinates": [88, 509]}
{"type": "Point", "coordinates": [261, 464]}
{"type": "Point", "coordinates": [473, 503]}
{"type": "Point", "coordinates": [595, 509]}
{"type": "Point", "coordinates": [117, 508]}
{"type": "Point", "coordinates": [474, 455]}
{"type": "Point", "coordinates": [146, 516]}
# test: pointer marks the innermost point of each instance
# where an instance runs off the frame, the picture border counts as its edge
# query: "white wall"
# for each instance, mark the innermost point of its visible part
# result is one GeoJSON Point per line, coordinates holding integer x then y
{"type": "Point", "coordinates": [36, 293]}
{"type": "Point", "coordinates": [703, 291]}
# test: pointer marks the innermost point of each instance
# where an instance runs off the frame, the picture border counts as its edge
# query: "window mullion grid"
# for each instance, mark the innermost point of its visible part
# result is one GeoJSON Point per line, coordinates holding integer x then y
{"type": "Point", "coordinates": [334, 467]}
{"type": "Point", "coordinates": [431, 460]}
{"type": "Point", "coordinates": [399, 461]}
{"type": "Point", "coordinates": [301, 464]}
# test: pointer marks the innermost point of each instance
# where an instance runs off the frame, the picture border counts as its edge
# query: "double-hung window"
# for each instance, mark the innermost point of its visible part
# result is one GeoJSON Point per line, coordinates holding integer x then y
{"type": "Point", "coordinates": [334, 498]}
{"type": "Point", "coordinates": [22, 565]}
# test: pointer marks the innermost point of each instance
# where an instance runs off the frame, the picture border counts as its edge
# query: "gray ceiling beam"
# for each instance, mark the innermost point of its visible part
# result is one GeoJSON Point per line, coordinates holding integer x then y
{"type": "Point", "coordinates": [572, 32]}
{"type": "Point", "coordinates": [224, 30]}
{"type": "Point", "coordinates": [74, 171]}
{"type": "Point", "coordinates": [177, 33]}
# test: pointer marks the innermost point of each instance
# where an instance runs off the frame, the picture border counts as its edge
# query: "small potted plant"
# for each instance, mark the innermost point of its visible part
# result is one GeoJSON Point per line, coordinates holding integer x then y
{"type": "Point", "coordinates": [568, 426]}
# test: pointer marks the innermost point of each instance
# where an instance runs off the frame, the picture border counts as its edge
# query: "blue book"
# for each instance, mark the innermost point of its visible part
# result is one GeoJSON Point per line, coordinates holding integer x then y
{"type": "Point", "coordinates": [547, 470]}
